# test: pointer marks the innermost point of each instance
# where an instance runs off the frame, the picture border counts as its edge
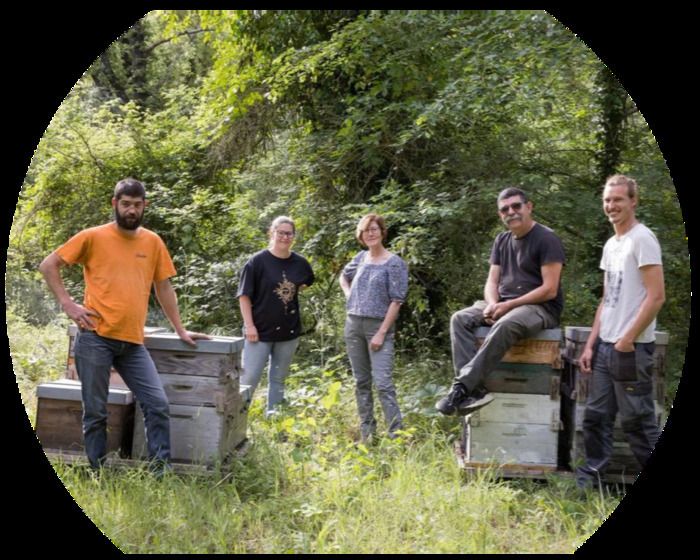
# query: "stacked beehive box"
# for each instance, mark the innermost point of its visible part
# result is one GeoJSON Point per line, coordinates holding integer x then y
{"type": "Point", "coordinates": [60, 412]}
{"type": "Point", "coordinates": [623, 463]}
{"type": "Point", "coordinates": [522, 426]}
{"type": "Point", "coordinates": [208, 407]}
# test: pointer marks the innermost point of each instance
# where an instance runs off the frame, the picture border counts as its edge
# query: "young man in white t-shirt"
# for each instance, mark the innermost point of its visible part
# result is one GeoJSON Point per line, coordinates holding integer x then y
{"type": "Point", "coordinates": [619, 351]}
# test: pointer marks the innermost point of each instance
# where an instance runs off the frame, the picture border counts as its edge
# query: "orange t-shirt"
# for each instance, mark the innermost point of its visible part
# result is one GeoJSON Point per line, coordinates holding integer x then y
{"type": "Point", "coordinates": [119, 271]}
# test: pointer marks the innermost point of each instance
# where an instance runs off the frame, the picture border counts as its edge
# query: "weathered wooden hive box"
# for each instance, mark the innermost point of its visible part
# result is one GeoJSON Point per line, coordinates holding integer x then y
{"type": "Point", "coordinates": [60, 412]}
{"type": "Point", "coordinates": [575, 392]}
{"type": "Point", "coordinates": [208, 407]}
{"type": "Point", "coordinates": [522, 425]}
{"type": "Point", "coordinates": [531, 366]}
{"type": "Point", "coordinates": [516, 428]}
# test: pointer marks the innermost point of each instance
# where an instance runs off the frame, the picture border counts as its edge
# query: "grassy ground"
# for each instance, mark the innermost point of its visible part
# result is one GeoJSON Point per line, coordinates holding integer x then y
{"type": "Point", "coordinates": [306, 486]}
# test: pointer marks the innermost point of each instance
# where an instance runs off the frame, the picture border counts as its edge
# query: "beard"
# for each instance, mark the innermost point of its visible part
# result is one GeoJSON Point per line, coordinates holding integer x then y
{"type": "Point", "coordinates": [129, 223]}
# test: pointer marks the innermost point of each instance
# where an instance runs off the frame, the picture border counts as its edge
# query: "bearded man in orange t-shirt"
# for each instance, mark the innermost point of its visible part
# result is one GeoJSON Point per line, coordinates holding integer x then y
{"type": "Point", "coordinates": [121, 262]}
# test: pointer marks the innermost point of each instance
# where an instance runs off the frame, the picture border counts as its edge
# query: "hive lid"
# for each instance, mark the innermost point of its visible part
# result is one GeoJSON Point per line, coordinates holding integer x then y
{"type": "Point", "coordinates": [69, 390]}
{"type": "Point", "coordinates": [577, 334]}
{"type": "Point", "coordinates": [158, 338]}
{"type": "Point", "coordinates": [580, 334]}
{"type": "Point", "coordinates": [217, 344]}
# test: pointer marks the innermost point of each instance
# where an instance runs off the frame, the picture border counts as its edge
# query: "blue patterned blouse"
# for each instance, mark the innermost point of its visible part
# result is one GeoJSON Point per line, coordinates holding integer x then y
{"type": "Point", "coordinates": [374, 286]}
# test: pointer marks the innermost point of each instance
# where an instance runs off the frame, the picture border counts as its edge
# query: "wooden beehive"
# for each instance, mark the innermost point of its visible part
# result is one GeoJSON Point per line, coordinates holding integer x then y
{"type": "Point", "coordinates": [208, 408]}
{"type": "Point", "coordinates": [60, 412]}
{"type": "Point", "coordinates": [575, 392]}
{"type": "Point", "coordinates": [201, 434]}
{"type": "Point", "coordinates": [516, 428]}
{"type": "Point", "coordinates": [522, 426]}
{"type": "Point", "coordinates": [542, 348]}
{"type": "Point", "coordinates": [531, 366]}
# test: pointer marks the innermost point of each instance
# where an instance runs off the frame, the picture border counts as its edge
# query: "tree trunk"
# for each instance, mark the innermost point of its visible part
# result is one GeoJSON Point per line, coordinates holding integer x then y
{"type": "Point", "coordinates": [613, 108]}
{"type": "Point", "coordinates": [136, 63]}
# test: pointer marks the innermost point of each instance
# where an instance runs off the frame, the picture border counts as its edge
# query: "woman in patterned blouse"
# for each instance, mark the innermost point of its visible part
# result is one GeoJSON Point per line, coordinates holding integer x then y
{"type": "Point", "coordinates": [375, 284]}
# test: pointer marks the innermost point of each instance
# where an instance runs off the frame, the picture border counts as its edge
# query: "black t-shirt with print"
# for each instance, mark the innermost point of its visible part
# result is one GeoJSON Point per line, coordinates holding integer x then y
{"type": "Point", "coordinates": [521, 261]}
{"type": "Point", "coordinates": [272, 284]}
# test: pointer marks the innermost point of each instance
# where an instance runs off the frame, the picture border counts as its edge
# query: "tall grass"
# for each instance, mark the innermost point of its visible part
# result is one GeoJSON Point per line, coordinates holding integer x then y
{"type": "Point", "coordinates": [414, 501]}
{"type": "Point", "coordinates": [306, 486]}
{"type": "Point", "coordinates": [38, 354]}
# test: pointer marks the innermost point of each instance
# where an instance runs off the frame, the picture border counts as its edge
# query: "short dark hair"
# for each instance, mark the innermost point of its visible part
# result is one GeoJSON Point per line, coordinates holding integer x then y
{"type": "Point", "coordinates": [129, 187]}
{"type": "Point", "coordinates": [513, 191]}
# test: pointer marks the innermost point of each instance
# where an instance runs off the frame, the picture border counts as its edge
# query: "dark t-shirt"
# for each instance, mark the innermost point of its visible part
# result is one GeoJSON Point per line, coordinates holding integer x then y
{"type": "Point", "coordinates": [521, 261]}
{"type": "Point", "coordinates": [272, 285]}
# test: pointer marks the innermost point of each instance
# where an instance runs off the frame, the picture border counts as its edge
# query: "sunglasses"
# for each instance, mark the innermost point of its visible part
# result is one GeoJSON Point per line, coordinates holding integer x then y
{"type": "Point", "coordinates": [515, 206]}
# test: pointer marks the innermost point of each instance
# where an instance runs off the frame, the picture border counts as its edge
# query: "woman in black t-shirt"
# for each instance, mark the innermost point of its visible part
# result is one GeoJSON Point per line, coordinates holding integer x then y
{"type": "Point", "coordinates": [268, 297]}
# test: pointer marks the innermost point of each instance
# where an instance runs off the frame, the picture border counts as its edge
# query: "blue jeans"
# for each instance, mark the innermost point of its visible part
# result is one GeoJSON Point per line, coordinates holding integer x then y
{"type": "Point", "coordinates": [279, 356]}
{"type": "Point", "coordinates": [94, 355]}
{"type": "Point", "coordinates": [369, 365]}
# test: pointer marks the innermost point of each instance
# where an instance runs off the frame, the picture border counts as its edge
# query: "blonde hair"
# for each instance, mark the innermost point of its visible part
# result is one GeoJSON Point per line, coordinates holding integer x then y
{"type": "Point", "coordinates": [277, 222]}
{"type": "Point", "coordinates": [623, 180]}
{"type": "Point", "coordinates": [363, 224]}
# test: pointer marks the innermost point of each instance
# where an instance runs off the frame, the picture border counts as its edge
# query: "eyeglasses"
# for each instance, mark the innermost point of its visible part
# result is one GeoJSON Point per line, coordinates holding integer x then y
{"type": "Point", "coordinates": [515, 206]}
{"type": "Point", "coordinates": [372, 230]}
{"type": "Point", "coordinates": [281, 233]}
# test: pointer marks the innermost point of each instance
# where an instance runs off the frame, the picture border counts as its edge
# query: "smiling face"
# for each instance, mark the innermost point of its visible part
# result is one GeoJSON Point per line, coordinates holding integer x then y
{"type": "Point", "coordinates": [618, 205]}
{"type": "Point", "coordinates": [128, 211]}
{"type": "Point", "coordinates": [282, 237]}
{"type": "Point", "coordinates": [371, 231]}
{"type": "Point", "coordinates": [372, 235]}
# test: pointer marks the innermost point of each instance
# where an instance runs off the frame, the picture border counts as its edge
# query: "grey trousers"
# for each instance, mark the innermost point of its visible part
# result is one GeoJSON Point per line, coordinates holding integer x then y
{"type": "Point", "coordinates": [368, 366]}
{"type": "Point", "coordinates": [621, 382]}
{"type": "Point", "coordinates": [471, 367]}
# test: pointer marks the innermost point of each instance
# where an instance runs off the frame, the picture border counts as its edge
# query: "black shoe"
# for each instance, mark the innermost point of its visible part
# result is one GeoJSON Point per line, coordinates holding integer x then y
{"type": "Point", "coordinates": [457, 396]}
{"type": "Point", "coordinates": [479, 398]}
{"type": "Point", "coordinates": [459, 401]}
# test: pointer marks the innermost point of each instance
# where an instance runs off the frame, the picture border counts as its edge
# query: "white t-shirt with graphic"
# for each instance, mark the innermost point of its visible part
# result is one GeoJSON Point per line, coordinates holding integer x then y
{"type": "Point", "coordinates": [624, 292]}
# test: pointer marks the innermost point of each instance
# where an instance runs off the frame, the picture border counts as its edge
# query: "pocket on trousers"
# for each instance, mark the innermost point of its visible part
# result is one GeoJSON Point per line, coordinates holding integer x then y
{"type": "Point", "coordinates": [636, 387]}
{"type": "Point", "coordinates": [624, 366]}
{"type": "Point", "coordinates": [89, 347]}
{"type": "Point", "coordinates": [548, 320]}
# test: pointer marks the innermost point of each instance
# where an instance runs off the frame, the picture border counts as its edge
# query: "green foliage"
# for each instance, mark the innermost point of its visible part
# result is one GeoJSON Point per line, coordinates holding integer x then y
{"type": "Point", "coordinates": [39, 353]}
{"type": "Point", "coordinates": [234, 117]}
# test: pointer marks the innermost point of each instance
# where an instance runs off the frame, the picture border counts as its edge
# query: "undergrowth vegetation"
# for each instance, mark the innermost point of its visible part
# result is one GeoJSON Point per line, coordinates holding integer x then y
{"type": "Point", "coordinates": [307, 486]}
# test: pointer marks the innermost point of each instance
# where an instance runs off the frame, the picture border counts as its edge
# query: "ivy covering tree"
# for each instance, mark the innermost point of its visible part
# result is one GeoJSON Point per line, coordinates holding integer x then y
{"type": "Point", "coordinates": [232, 118]}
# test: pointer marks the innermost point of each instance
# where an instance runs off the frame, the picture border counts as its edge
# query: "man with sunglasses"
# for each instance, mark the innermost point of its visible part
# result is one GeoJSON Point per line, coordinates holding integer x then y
{"type": "Point", "coordinates": [522, 296]}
